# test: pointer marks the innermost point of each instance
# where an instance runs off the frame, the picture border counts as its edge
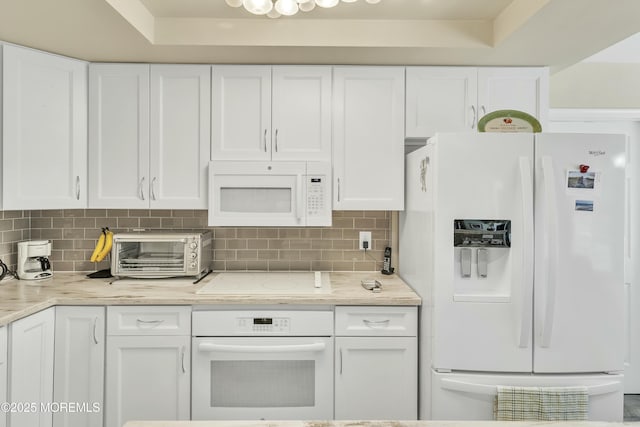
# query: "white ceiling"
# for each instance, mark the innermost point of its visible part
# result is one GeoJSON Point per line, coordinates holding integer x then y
{"type": "Point", "coordinates": [557, 33]}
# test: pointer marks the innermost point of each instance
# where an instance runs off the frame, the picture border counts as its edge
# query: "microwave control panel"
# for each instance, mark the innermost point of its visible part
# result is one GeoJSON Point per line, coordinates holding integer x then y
{"type": "Point", "coordinates": [316, 195]}
{"type": "Point", "coordinates": [263, 325]}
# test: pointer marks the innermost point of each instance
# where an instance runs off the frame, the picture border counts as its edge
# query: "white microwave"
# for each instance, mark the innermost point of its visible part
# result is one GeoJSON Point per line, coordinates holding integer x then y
{"type": "Point", "coordinates": [280, 194]}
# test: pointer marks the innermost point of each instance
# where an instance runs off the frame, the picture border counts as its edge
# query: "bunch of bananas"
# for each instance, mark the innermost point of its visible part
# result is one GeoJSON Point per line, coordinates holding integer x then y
{"type": "Point", "coordinates": [103, 247]}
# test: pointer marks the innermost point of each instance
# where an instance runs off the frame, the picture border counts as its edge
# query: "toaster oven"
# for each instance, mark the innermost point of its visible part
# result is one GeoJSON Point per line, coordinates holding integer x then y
{"type": "Point", "coordinates": [161, 254]}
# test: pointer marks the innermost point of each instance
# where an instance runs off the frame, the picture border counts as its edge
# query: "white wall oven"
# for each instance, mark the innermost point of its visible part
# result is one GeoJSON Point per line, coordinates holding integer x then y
{"type": "Point", "coordinates": [264, 364]}
{"type": "Point", "coordinates": [279, 194]}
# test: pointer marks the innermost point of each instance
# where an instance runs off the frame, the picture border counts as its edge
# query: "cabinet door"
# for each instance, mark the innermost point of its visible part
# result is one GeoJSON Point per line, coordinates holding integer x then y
{"type": "Point", "coordinates": [301, 110]}
{"type": "Point", "coordinates": [376, 378]}
{"type": "Point", "coordinates": [31, 368]}
{"type": "Point", "coordinates": [3, 373]}
{"type": "Point", "coordinates": [241, 112]}
{"type": "Point", "coordinates": [79, 365]}
{"type": "Point", "coordinates": [180, 136]}
{"type": "Point", "coordinates": [45, 130]}
{"type": "Point", "coordinates": [440, 99]}
{"type": "Point", "coordinates": [147, 378]}
{"type": "Point", "coordinates": [368, 131]}
{"type": "Point", "coordinates": [524, 89]}
{"type": "Point", "coordinates": [119, 136]}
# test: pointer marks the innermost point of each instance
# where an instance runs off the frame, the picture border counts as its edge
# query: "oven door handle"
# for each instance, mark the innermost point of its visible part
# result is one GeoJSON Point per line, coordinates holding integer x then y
{"type": "Point", "coordinates": [291, 348]}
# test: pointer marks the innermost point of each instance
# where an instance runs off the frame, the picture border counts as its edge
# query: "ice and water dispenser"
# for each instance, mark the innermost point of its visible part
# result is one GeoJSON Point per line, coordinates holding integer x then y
{"type": "Point", "coordinates": [482, 258]}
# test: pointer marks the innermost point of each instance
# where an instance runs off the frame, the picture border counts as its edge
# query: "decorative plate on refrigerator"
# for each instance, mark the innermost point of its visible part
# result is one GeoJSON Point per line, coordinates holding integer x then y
{"type": "Point", "coordinates": [509, 121]}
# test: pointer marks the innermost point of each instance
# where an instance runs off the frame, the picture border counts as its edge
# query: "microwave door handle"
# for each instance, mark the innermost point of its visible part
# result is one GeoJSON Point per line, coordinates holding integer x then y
{"type": "Point", "coordinates": [299, 198]}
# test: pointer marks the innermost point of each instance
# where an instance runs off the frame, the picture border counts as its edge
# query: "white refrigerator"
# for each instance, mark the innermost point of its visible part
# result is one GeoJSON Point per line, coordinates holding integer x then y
{"type": "Point", "coordinates": [515, 242]}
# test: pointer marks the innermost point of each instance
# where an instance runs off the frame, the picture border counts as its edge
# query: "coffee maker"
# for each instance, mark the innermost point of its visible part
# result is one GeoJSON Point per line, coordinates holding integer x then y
{"type": "Point", "coordinates": [33, 260]}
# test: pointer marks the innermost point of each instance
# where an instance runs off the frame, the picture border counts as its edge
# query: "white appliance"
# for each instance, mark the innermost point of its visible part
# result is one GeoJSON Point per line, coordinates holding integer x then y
{"type": "Point", "coordinates": [269, 193]}
{"type": "Point", "coordinates": [262, 364]}
{"type": "Point", "coordinates": [33, 260]}
{"type": "Point", "coordinates": [515, 244]}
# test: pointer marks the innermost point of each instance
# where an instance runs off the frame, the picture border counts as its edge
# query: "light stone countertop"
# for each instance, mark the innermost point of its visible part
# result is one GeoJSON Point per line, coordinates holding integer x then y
{"type": "Point", "coordinates": [375, 424]}
{"type": "Point", "coordinates": [20, 298]}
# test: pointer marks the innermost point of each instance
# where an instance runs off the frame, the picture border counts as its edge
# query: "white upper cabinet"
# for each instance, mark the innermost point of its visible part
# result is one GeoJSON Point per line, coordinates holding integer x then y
{"type": "Point", "coordinates": [453, 99]}
{"type": "Point", "coordinates": [368, 132]}
{"type": "Point", "coordinates": [440, 99]}
{"type": "Point", "coordinates": [180, 136]}
{"type": "Point", "coordinates": [45, 130]}
{"type": "Point", "coordinates": [516, 88]}
{"type": "Point", "coordinates": [149, 135]}
{"type": "Point", "coordinates": [271, 113]}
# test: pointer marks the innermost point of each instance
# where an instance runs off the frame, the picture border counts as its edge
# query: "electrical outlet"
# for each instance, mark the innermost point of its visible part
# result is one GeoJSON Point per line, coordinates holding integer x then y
{"type": "Point", "coordinates": [365, 236]}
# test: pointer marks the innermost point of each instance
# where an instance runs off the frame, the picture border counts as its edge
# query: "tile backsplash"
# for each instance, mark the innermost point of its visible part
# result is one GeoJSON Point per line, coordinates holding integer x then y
{"type": "Point", "coordinates": [74, 233]}
{"type": "Point", "coordinates": [14, 227]}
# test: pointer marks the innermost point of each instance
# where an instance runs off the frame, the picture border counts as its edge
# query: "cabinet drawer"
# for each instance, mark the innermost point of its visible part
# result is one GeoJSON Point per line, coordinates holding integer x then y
{"type": "Point", "coordinates": [376, 321]}
{"type": "Point", "coordinates": [149, 320]}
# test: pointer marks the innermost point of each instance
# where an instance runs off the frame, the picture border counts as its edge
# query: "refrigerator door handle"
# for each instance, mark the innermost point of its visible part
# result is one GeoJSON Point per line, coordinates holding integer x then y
{"type": "Point", "coordinates": [551, 250]}
{"type": "Point", "coordinates": [526, 182]}
{"type": "Point", "coordinates": [491, 389]}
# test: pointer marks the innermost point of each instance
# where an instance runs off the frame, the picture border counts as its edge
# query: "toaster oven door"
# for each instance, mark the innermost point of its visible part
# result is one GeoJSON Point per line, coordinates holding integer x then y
{"type": "Point", "coordinates": [150, 258]}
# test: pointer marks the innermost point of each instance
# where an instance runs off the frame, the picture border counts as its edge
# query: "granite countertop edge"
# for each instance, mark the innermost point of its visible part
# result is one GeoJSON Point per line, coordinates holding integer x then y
{"type": "Point", "coordinates": [19, 299]}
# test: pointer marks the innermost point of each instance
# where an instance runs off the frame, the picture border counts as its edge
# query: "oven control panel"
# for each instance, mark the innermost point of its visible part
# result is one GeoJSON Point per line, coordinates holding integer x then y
{"type": "Point", "coordinates": [263, 325]}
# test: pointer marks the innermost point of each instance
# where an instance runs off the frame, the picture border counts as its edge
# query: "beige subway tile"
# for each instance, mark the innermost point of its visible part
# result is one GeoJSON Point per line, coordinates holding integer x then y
{"type": "Point", "coordinates": [300, 266]}
{"type": "Point", "coordinates": [342, 223]}
{"type": "Point", "coordinates": [353, 214]}
{"type": "Point", "coordinates": [342, 266]}
{"type": "Point", "coordinates": [321, 265]}
{"type": "Point", "coordinates": [52, 213]}
{"type": "Point", "coordinates": [237, 265]}
{"type": "Point", "coordinates": [124, 222]}
{"type": "Point", "coordinates": [139, 212]}
{"type": "Point", "coordinates": [175, 223]}
{"type": "Point", "coordinates": [267, 233]}
{"type": "Point", "coordinates": [59, 223]}
{"type": "Point", "coordinates": [278, 244]}
{"type": "Point", "coordinates": [353, 255]}
{"type": "Point", "coordinates": [321, 244]}
{"type": "Point", "coordinates": [383, 223]}
{"type": "Point", "coordinates": [162, 213]}
{"type": "Point", "coordinates": [73, 213]}
{"type": "Point", "coordinates": [84, 222]}
{"type": "Point", "coordinates": [62, 266]}
{"type": "Point", "coordinates": [55, 234]}
{"type": "Point", "coordinates": [279, 265]}
{"type": "Point", "coordinates": [83, 244]}
{"type": "Point", "coordinates": [63, 244]}
{"type": "Point", "coordinates": [364, 223]}
{"type": "Point", "coordinates": [219, 265]}
{"type": "Point", "coordinates": [224, 255]}
{"type": "Point", "coordinates": [380, 234]}
{"type": "Point", "coordinates": [96, 213]}
{"type": "Point", "coordinates": [15, 236]}
{"type": "Point", "coordinates": [311, 255]}
{"type": "Point", "coordinates": [344, 244]}
{"type": "Point", "coordinates": [84, 266]}
{"type": "Point", "coordinates": [73, 255]}
{"type": "Point", "coordinates": [219, 244]}
{"type": "Point", "coordinates": [150, 222]}
{"type": "Point", "coordinates": [237, 244]}
{"type": "Point", "coordinates": [289, 254]}
{"type": "Point", "coordinates": [114, 213]}
{"type": "Point", "coordinates": [267, 254]}
{"type": "Point", "coordinates": [247, 254]}
{"type": "Point", "coordinates": [300, 244]}
{"type": "Point", "coordinates": [311, 233]}
{"type": "Point", "coordinates": [6, 225]}
{"type": "Point", "coordinates": [35, 222]}
{"type": "Point", "coordinates": [332, 233]}
{"type": "Point", "coordinates": [35, 213]}
{"type": "Point", "coordinates": [257, 244]}
{"type": "Point", "coordinates": [248, 233]}
{"type": "Point", "coordinates": [377, 214]}
{"type": "Point", "coordinates": [289, 233]}
{"type": "Point", "coordinates": [35, 234]}
{"type": "Point", "coordinates": [224, 233]}
{"type": "Point", "coordinates": [348, 234]}
{"type": "Point", "coordinates": [257, 265]}
{"type": "Point", "coordinates": [14, 214]}
{"type": "Point", "coordinates": [365, 266]}
{"type": "Point", "coordinates": [21, 223]}
{"type": "Point", "coordinates": [56, 255]}
{"type": "Point", "coordinates": [195, 222]}
{"type": "Point", "coordinates": [331, 255]}
{"type": "Point", "coordinates": [183, 213]}
{"type": "Point", "coordinates": [201, 213]}
{"type": "Point", "coordinates": [112, 223]}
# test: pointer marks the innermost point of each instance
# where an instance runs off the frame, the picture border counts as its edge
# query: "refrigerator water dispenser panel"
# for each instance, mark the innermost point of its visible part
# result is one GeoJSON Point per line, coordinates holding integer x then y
{"type": "Point", "coordinates": [482, 251]}
{"type": "Point", "coordinates": [482, 233]}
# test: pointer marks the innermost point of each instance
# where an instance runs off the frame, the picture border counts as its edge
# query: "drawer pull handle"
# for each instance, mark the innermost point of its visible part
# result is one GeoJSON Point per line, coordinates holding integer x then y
{"type": "Point", "coordinates": [376, 324]}
{"type": "Point", "coordinates": [150, 322]}
{"type": "Point", "coordinates": [184, 350]}
{"type": "Point", "coordinates": [95, 327]}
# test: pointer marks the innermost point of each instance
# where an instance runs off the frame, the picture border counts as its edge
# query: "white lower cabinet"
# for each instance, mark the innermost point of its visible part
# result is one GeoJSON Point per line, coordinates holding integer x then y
{"type": "Point", "coordinates": [79, 366]}
{"type": "Point", "coordinates": [147, 374]}
{"type": "Point", "coordinates": [31, 369]}
{"type": "Point", "coordinates": [3, 373]}
{"type": "Point", "coordinates": [376, 373]}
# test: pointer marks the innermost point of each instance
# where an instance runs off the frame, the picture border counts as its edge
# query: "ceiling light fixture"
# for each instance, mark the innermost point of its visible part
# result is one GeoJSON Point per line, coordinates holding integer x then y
{"type": "Point", "coordinates": [277, 8]}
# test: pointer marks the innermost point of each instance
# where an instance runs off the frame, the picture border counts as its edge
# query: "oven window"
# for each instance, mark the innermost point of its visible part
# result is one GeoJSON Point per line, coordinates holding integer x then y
{"type": "Point", "coordinates": [262, 383]}
{"type": "Point", "coordinates": [255, 199]}
{"type": "Point", "coordinates": [161, 256]}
